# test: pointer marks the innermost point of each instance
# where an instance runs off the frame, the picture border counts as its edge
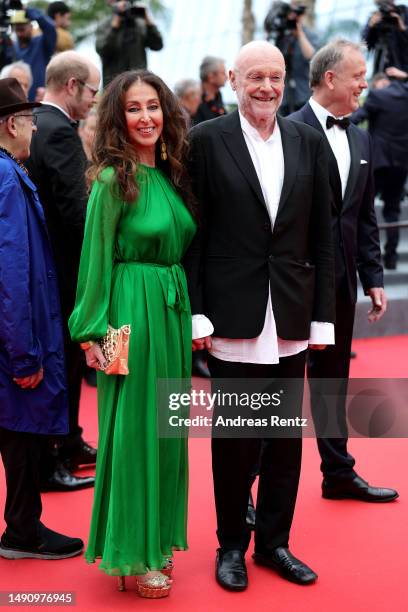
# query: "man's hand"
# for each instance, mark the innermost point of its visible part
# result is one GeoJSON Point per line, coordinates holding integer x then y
{"type": "Point", "coordinates": [401, 24]}
{"type": "Point", "coordinates": [375, 19]}
{"type": "Point", "coordinates": [30, 382]}
{"type": "Point", "coordinates": [392, 71]}
{"type": "Point", "coordinates": [202, 343]}
{"type": "Point", "coordinates": [317, 347]}
{"type": "Point", "coordinates": [379, 303]}
{"type": "Point", "coordinates": [94, 357]}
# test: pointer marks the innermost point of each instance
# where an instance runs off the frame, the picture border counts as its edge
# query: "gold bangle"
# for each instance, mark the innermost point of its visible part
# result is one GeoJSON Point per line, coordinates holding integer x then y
{"type": "Point", "coordinates": [86, 345]}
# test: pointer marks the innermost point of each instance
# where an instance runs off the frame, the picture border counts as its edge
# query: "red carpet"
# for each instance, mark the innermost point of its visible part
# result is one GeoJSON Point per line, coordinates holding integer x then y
{"type": "Point", "coordinates": [358, 550]}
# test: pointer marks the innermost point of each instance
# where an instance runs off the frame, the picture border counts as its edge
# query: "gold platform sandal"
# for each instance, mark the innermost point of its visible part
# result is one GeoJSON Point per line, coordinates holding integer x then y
{"type": "Point", "coordinates": [153, 585]}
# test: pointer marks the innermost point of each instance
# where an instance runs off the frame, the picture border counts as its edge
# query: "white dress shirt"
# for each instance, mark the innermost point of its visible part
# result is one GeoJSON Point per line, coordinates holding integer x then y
{"type": "Point", "coordinates": [338, 141]}
{"type": "Point", "coordinates": [268, 347]}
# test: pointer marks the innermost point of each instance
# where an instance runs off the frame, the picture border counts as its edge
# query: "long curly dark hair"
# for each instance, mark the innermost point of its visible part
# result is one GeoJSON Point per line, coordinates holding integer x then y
{"type": "Point", "coordinates": [112, 146]}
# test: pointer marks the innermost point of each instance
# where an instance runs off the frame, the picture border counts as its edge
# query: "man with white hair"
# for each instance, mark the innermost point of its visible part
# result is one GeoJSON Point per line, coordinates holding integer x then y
{"type": "Point", "coordinates": [260, 275]}
{"type": "Point", "coordinates": [20, 71]}
{"type": "Point", "coordinates": [337, 78]}
{"type": "Point", "coordinates": [57, 166]}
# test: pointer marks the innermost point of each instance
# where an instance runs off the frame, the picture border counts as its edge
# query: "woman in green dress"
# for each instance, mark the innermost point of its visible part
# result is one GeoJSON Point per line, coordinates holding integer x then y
{"type": "Point", "coordinates": [139, 225]}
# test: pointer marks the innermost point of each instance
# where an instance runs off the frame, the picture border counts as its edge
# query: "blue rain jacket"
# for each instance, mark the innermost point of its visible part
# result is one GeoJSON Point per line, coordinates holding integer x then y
{"type": "Point", "coordinates": [30, 320]}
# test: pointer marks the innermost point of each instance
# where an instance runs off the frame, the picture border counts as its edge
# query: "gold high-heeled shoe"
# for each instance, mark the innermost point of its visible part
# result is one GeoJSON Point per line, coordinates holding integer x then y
{"type": "Point", "coordinates": [153, 587]}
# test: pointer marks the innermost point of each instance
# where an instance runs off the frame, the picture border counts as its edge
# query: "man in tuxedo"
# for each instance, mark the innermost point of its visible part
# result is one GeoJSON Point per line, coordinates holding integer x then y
{"type": "Point", "coordinates": [338, 77]}
{"type": "Point", "coordinates": [57, 166]}
{"type": "Point", "coordinates": [387, 113]}
{"type": "Point", "coordinates": [260, 270]}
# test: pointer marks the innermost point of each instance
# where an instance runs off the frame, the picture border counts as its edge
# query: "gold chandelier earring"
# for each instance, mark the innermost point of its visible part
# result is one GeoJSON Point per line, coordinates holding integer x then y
{"type": "Point", "coordinates": [163, 149]}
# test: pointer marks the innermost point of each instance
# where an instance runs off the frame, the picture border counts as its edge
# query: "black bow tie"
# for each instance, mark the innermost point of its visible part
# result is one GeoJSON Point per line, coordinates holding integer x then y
{"type": "Point", "coordinates": [75, 124]}
{"type": "Point", "coordinates": [342, 123]}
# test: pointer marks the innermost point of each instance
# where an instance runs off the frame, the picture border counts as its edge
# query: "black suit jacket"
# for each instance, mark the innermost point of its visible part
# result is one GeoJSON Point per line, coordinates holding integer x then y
{"type": "Point", "coordinates": [57, 167]}
{"type": "Point", "coordinates": [355, 229]}
{"type": "Point", "coordinates": [236, 255]}
{"type": "Point", "coordinates": [387, 112]}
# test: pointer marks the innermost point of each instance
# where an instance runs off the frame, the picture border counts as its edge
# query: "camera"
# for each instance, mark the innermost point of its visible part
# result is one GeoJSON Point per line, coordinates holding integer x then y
{"type": "Point", "coordinates": [277, 22]}
{"type": "Point", "coordinates": [386, 8]}
{"type": "Point", "coordinates": [5, 7]}
{"type": "Point", "coordinates": [132, 10]}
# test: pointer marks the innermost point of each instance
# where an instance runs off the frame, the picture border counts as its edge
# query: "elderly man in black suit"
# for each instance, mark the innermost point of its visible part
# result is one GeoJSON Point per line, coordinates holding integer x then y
{"type": "Point", "coordinates": [387, 113]}
{"type": "Point", "coordinates": [261, 277]}
{"type": "Point", "coordinates": [338, 77]}
{"type": "Point", "coordinates": [57, 166]}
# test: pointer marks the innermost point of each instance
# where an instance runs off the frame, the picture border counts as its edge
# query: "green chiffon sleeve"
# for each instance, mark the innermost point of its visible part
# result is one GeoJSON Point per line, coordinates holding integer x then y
{"type": "Point", "coordinates": [89, 320]}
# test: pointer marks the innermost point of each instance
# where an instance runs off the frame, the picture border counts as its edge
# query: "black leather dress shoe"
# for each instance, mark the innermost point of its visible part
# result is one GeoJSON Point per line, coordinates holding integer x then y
{"type": "Point", "coordinates": [282, 561]}
{"type": "Point", "coordinates": [356, 488]}
{"type": "Point", "coordinates": [251, 513]}
{"type": "Point", "coordinates": [230, 570]}
{"type": "Point", "coordinates": [82, 454]}
{"type": "Point", "coordinates": [62, 480]}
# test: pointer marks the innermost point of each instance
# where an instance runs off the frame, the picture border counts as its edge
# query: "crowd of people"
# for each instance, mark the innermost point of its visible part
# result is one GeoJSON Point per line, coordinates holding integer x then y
{"type": "Point", "coordinates": [150, 219]}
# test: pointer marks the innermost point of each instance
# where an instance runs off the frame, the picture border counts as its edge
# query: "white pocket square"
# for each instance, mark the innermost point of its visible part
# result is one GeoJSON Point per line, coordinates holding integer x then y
{"type": "Point", "coordinates": [363, 161]}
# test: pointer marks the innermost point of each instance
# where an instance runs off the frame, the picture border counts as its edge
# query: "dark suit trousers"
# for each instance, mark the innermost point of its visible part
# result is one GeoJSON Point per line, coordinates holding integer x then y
{"type": "Point", "coordinates": [233, 460]}
{"type": "Point", "coordinates": [20, 453]}
{"type": "Point", "coordinates": [333, 363]}
{"type": "Point", "coordinates": [389, 184]}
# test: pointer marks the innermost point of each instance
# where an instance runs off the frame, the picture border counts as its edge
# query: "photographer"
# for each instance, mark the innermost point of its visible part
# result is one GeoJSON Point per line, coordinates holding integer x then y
{"type": "Point", "coordinates": [386, 33]}
{"type": "Point", "coordinates": [36, 51]}
{"type": "Point", "coordinates": [121, 39]}
{"type": "Point", "coordinates": [284, 27]}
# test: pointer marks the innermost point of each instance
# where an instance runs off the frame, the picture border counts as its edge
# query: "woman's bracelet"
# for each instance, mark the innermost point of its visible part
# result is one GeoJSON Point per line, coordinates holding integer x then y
{"type": "Point", "coordinates": [86, 345]}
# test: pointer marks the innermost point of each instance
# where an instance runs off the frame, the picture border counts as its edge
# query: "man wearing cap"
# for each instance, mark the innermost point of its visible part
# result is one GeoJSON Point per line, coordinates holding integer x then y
{"type": "Point", "coordinates": [32, 374]}
{"type": "Point", "coordinates": [34, 50]}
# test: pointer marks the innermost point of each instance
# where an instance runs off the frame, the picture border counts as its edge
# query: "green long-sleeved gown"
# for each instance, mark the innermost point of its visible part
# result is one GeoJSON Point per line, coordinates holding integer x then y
{"type": "Point", "coordinates": [130, 273]}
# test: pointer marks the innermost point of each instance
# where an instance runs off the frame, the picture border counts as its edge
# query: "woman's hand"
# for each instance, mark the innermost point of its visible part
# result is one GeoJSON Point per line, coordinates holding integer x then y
{"type": "Point", "coordinates": [94, 357]}
{"type": "Point", "coordinates": [202, 343]}
{"type": "Point", "coordinates": [30, 382]}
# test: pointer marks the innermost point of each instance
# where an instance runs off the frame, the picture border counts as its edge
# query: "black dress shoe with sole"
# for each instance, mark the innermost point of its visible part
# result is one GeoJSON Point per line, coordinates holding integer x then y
{"type": "Point", "coordinates": [356, 488]}
{"type": "Point", "coordinates": [230, 570]}
{"type": "Point", "coordinates": [62, 480]}
{"type": "Point", "coordinates": [286, 565]}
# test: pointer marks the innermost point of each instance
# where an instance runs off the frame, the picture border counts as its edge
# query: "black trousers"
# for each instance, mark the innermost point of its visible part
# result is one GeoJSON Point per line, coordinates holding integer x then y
{"type": "Point", "coordinates": [233, 460]}
{"type": "Point", "coordinates": [333, 363]}
{"type": "Point", "coordinates": [55, 450]}
{"type": "Point", "coordinates": [389, 185]}
{"type": "Point", "coordinates": [20, 453]}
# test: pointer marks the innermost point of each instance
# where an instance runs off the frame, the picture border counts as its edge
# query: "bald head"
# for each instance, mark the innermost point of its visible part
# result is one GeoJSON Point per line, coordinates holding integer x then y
{"type": "Point", "coordinates": [258, 78]}
{"type": "Point", "coordinates": [258, 50]}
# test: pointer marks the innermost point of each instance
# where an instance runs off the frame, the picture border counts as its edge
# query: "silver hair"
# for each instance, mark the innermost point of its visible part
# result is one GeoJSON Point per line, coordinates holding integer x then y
{"type": "Point", "coordinates": [209, 65]}
{"type": "Point", "coordinates": [328, 57]}
{"type": "Point", "coordinates": [5, 72]}
{"type": "Point", "coordinates": [183, 86]}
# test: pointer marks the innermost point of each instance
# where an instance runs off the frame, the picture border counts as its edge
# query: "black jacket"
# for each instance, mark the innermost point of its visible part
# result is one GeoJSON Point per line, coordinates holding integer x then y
{"type": "Point", "coordinates": [387, 112]}
{"type": "Point", "coordinates": [236, 256]}
{"type": "Point", "coordinates": [57, 167]}
{"type": "Point", "coordinates": [124, 48]}
{"type": "Point", "coordinates": [355, 230]}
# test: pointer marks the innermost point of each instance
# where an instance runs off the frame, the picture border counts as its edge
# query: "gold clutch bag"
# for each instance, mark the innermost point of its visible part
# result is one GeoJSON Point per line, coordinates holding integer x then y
{"type": "Point", "coordinates": [115, 349]}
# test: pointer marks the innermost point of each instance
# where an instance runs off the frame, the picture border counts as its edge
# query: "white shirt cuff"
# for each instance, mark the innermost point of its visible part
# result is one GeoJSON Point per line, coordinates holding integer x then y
{"type": "Point", "coordinates": [321, 333]}
{"type": "Point", "coordinates": [202, 326]}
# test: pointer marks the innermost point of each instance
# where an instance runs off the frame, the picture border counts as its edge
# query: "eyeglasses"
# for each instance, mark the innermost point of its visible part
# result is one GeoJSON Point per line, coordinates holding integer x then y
{"type": "Point", "coordinates": [32, 117]}
{"type": "Point", "coordinates": [91, 89]}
